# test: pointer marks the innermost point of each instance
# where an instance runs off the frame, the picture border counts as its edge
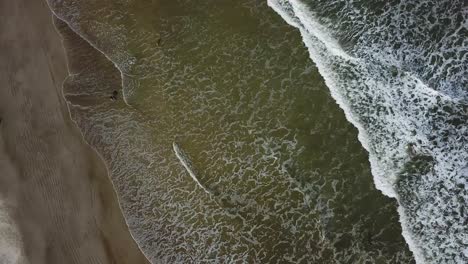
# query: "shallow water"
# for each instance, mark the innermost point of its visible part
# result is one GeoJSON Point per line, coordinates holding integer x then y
{"type": "Point", "coordinates": [233, 85]}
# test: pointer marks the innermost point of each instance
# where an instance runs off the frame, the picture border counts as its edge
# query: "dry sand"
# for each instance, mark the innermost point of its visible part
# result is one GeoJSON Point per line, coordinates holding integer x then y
{"type": "Point", "coordinates": [57, 204]}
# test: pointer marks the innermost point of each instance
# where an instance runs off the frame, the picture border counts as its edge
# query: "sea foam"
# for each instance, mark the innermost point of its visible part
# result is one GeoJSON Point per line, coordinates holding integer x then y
{"type": "Point", "coordinates": [402, 83]}
{"type": "Point", "coordinates": [10, 241]}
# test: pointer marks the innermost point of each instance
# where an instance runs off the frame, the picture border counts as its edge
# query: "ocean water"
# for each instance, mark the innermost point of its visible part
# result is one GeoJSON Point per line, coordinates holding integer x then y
{"type": "Point", "coordinates": [399, 70]}
{"type": "Point", "coordinates": [234, 137]}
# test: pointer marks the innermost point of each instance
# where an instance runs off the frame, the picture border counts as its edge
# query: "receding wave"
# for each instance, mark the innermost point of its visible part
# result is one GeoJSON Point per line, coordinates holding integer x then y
{"type": "Point", "coordinates": [399, 70]}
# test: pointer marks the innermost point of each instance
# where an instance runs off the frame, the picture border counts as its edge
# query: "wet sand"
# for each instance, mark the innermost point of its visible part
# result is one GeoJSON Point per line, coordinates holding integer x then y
{"type": "Point", "coordinates": [57, 204]}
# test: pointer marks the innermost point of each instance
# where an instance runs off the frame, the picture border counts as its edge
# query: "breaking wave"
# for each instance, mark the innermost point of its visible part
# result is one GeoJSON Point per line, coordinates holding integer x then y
{"type": "Point", "coordinates": [399, 71]}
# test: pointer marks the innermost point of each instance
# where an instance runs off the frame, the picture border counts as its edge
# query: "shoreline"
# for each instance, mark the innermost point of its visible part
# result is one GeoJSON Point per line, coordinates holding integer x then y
{"type": "Point", "coordinates": [56, 187]}
{"type": "Point", "coordinates": [82, 98]}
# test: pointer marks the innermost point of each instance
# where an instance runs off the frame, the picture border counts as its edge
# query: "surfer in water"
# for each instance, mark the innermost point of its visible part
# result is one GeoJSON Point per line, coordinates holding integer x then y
{"type": "Point", "coordinates": [114, 95]}
{"type": "Point", "coordinates": [410, 149]}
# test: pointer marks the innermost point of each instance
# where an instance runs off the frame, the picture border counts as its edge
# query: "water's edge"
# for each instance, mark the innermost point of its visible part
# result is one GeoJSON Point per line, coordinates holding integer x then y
{"type": "Point", "coordinates": [56, 20]}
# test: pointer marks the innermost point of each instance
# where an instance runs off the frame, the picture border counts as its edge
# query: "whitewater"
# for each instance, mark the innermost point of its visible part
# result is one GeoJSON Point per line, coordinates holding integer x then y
{"type": "Point", "coordinates": [399, 71]}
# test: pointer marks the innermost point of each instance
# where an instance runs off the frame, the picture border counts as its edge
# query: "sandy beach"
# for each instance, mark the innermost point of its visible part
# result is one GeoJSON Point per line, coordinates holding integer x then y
{"type": "Point", "coordinates": [57, 204]}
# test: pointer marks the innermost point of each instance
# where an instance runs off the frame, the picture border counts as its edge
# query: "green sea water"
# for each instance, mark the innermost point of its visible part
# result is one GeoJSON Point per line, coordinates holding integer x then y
{"type": "Point", "coordinates": [233, 85]}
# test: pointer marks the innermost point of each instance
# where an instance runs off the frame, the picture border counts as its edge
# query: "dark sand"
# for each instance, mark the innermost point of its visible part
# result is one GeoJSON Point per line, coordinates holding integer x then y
{"type": "Point", "coordinates": [57, 204]}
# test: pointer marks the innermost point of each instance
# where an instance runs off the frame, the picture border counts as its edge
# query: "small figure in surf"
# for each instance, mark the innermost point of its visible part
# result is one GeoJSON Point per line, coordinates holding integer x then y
{"type": "Point", "coordinates": [114, 95]}
{"type": "Point", "coordinates": [394, 71]}
{"type": "Point", "coordinates": [410, 149]}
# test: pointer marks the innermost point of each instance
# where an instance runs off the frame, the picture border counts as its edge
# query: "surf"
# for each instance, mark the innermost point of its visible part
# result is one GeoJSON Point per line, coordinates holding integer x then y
{"type": "Point", "coordinates": [398, 96]}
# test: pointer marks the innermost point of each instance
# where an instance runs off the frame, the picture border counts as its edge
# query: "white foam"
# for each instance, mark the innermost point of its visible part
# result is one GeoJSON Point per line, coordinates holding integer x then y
{"type": "Point", "coordinates": [184, 160]}
{"type": "Point", "coordinates": [316, 50]}
{"type": "Point", "coordinates": [10, 242]}
{"type": "Point", "coordinates": [390, 113]}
